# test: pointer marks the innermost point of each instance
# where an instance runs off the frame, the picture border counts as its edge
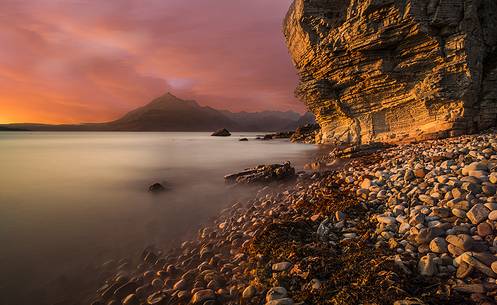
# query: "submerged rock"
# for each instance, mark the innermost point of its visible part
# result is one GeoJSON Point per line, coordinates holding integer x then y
{"type": "Point", "coordinates": [156, 188]}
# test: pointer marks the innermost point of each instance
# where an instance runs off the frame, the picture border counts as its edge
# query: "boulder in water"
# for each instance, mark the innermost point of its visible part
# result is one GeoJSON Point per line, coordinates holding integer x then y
{"type": "Point", "coordinates": [156, 188]}
{"type": "Point", "coordinates": [262, 174]}
{"type": "Point", "coordinates": [221, 133]}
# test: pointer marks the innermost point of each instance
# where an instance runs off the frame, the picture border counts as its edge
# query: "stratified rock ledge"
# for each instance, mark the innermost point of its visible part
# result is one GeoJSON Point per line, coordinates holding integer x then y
{"type": "Point", "coordinates": [395, 71]}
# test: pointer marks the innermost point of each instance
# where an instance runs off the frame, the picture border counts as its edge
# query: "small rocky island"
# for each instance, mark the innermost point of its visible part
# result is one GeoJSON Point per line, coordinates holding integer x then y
{"type": "Point", "coordinates": [221, 133]}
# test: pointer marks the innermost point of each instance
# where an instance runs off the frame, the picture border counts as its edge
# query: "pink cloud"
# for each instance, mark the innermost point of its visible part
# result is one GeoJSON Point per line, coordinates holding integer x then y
{"type": "Point", "coordinates": [72, 61]}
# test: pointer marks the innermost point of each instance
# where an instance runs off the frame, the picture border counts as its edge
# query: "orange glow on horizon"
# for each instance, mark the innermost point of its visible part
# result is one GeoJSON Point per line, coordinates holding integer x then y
{"type": "Point", "coordinates": [74, 62]}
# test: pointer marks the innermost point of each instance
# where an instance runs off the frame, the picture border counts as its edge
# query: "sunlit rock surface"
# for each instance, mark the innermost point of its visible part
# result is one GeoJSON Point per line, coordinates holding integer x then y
{"type": "Point", "coordinates": [395, 70]}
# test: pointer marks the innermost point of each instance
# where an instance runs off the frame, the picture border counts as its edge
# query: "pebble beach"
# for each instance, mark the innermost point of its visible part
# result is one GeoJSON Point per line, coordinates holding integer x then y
{"type": "Point", "coordinates": [410, 224]}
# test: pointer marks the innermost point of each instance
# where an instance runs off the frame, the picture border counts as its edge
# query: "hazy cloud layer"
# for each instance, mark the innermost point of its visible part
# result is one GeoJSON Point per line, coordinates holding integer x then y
{"type": "Point", "coordinates": [92, 60]}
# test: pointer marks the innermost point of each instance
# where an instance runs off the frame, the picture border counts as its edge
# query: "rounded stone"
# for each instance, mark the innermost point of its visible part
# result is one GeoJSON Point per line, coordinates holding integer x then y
{"type": "Point", "coordinates": [493, 215]}
{"type": "Point", "coordinates": [494, 267]}
{"type": "Point", "coordinates": [203, 295]}
{"type": "Point", "coordinates": [459, 213]}
{"type": "Point", "coordinates": [157, 283]}
{"type": "Point", "coordinates": [276, 293]}
{"type": "Point", "coordinates": [316, 284]}
{"type": "Point", "coordinates": [283, 266]}
{"type": "Point", "coordinates": [131, 299]}
{"type": "Point", "coordinates": [285, 301]}
{"type": "Point", "coordinates": [427, 265]}
{"type": "Point", "coordinates": [249, 292]}
{"type": "Point", "coordinates": [438, 245]}
{"type": "Point", "coordinates": [484, 229]}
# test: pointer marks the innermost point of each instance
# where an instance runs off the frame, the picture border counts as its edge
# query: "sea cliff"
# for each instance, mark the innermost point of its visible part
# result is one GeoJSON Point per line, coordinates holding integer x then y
{"type": "Point", "coordinates": [395, 71]}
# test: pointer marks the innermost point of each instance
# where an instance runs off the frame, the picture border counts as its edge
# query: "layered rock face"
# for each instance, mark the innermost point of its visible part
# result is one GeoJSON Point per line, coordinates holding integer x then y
{"type": "Point", "coordinates": [395, 70]}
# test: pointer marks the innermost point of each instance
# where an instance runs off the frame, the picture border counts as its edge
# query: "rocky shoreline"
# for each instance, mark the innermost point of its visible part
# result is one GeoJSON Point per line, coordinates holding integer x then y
{"type": "Point", "coordinates": [409, 224]}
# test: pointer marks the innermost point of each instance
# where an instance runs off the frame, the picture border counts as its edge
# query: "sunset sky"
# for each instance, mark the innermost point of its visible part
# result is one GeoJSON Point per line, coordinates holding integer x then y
{"type": "Point", "coordinates": [68, 61]}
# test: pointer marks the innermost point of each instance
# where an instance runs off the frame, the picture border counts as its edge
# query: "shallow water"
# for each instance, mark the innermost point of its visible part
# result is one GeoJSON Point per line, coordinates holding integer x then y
{"type": "Point", "coordinates": [71, 201]}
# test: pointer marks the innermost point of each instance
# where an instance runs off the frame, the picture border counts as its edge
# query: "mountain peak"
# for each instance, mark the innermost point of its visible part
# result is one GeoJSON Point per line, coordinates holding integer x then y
{"type": "Point", "coordinates": [167, 100]}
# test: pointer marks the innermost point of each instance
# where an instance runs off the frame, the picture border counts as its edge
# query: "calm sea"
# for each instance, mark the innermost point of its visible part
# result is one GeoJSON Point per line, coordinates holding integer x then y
{"type": "Point", "coordinates": [71, 201]}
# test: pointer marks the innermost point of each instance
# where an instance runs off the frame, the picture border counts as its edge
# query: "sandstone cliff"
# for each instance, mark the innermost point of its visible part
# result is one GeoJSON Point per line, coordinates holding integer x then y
{"type": "Point", "coordinates": [395, 70]}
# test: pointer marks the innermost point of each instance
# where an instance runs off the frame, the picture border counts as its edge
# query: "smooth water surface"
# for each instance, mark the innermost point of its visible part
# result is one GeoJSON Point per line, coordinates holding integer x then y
{"type": "Point", "coordinates": [70, 201]}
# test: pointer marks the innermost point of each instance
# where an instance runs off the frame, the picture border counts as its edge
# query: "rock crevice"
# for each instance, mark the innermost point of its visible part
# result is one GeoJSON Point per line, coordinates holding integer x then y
{"type": "Point", "coordinates": [395, 70]}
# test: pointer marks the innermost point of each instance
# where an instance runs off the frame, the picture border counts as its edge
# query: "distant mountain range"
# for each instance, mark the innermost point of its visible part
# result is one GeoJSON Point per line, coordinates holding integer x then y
{"type": "Point", "coordinates": [170, 113]}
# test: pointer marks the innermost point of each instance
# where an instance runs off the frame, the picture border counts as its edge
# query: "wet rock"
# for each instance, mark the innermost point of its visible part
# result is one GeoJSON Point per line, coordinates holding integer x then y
{"type": "Point", "coordinates": [262, 174]}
